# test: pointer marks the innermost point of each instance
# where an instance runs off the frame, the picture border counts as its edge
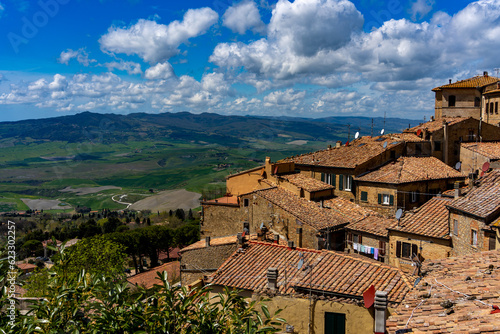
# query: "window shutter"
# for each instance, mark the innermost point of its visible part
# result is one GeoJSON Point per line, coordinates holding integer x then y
{"type": "Point", "coordinates": [364, 196]}
{"type": "Point", "coordinates": [391, 200]}
{"type": "Point", "coordinates": [349, 236]}
{"type": "Point", "coordinates": [381, 246]}
{"type": "Point", "coordinates": [417, 196]}
{"type": "Point", "coordinates": [379, 198]}
{"type": "Point", "coordinates": [322, 177]}
{"type": "Point", "coordinates": [341, 182]}
{"type": "Point", "coordinates": [398, 249]}
{"type": "Point", "coordinates": [333, 179]}
{"type": "Point", "coordinates": [360, 239]}
{"type": "Point", "coordinates": [414, 250]}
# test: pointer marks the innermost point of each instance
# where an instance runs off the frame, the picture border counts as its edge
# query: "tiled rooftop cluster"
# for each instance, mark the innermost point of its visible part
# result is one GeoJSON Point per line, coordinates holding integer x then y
{"type": "Point", "coordinates": [306, 211]}
{"type": "Point", "coordinates": [149, 278]}
{"type": "Point", "coordinates": [490, 150]}
{"type": "Point", "coordinates": [411, 169]}
{"type": "Point", "coordinates": [336, 274]}
{"type": "Point", "coordinates": [374, 224]}
{"type": "Point", "coordinates": [482, 201]}
{"type": "Point", "coordinates": [356, 153]}
{"type": "Point", "coordinates": [477, 81]}
{"type": "Point", "coordinates": [306, 183]}
{"type": "Point", "coordinates": [431, 219]}
{"type": "Point", "coordinates": [232, 239]}
{"type": "Point", "coordinates": [456, 296]}
{"type": "Point", "coordinates": [436, 124]}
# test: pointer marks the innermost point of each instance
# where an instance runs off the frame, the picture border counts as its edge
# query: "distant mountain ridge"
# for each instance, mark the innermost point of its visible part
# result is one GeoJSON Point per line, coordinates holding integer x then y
{"type": "Point", "coordinates": [209, 127]}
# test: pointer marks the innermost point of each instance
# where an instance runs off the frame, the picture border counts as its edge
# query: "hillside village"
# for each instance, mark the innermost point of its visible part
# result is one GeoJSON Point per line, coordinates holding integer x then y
{"type": "Point", "coordinates": [392, 233]}
{"type": "Point", "coordinates": [395, 233]}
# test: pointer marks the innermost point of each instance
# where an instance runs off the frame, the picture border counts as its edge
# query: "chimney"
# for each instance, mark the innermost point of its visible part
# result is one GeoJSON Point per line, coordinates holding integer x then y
{"type": "Point", "coordinates": [485, 73]}
{"type": "Point", "coordinates": [329, 146]}
{"type": "Point", "coordinates": [338, 144]}
{"type": "Point", "coordinates": [240, 239]}
{"type": "Point", "coordinates": [299, 236]}
{"type": "Point", "coordinates": [207, 241]}
{"type": "Point", "coordinates": [380, 311]}
{"type": "Point", "coordinates": [291, 244]}
{"type": "Point", "coordinates": [272, 278]}
{"type": "Point", "coordinates": [457, 190]}
{"type": "Point", "coordinates": [276, 239]}
{"type": "Point", "coordinates": [432, 118]}
{"type": "Point", "coordinates": [450, 80]}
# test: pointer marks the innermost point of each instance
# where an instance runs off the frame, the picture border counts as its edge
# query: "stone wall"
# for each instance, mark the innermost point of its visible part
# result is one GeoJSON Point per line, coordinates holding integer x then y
{"type": "Point", "coordinates": [462, 244]}
{"type": "Point", "coordinates": [464, 103]}
{"type": "Point", "coordinates": [428, 249]}
{"type": "Point", "coordinates": [196, 263]}
{"type": "Point", "coordinates": [222, 220]}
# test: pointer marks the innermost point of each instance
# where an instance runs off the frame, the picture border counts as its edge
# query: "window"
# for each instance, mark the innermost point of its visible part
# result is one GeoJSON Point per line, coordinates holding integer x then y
{"type": "Point", "coordinates": [328, 178]}
{"type": "Point", "coordinates": [364, 196]}
{"type": "Point", "coordinates": [418, 149]}
{"type": "Point", "coordinates": [477, 102]}
{"type": "Point", "coordinates": [356, 238]}
{"type": "Point", "coordinates": [471, 135]}
{"type": "Point", "coordinates": [437, 146]}
{"type": "Point", "coordinates": [406, 250]}
{"type": "Point", "coordinates": [491, 108]}
{"type": "Point", "coordinates": [347, 182]}
{"type": "Point", "coordinates": [496, 108]}
{"type": "Point", "coordinates": [486, 107]}
{"type": "Point", "coordinates": [492, 243]}
{"type": "Point", "coordinates": [414, 196]}
{"type": "Point", "coordinates": [455, 227]}
{"type": "Point", "coordinates": [381, 246]}
{"type": "Point", "coordinates": [334, 323]}
{"type": "Point", "coordinates": [246, 202]}
{"type": "Point", "coordinates": [451, 100]}
{"type": "Point", "coordinates": [393, 154]}
{"type": "Point", "coordinates": [473, 238]}
{"type": "Point", "coordinates": [385, 199]}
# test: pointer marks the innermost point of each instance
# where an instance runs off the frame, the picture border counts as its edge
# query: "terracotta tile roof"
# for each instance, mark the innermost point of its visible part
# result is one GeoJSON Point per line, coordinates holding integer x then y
{"type": "Point", "coordinates": [347, 208]}
{"type": "Point", "coordinates": [437, 124]}
{"type": "Point", "coordinates": [374, 224]}
{"type": "Point", "coordinates": [407, 137]}
{"type": "Point", "coordinates": [334, 273]}
{"type": "Point", "coordinates": [173, 253]}
{"type": "Point", "coordinates": [228, 240]}
{"type": "Point", "coordinates": [477, 81]}
{"type": "Point", "coordinates": [490, 150]}
{"type": "Point", "coordinates": [411, 169]}
{"type": "Point", "coordinates": [150, 278]}
{"type": "Point", "coordinates": [483, 201]}
{"type": "Point", "coordinates": [306, 183]}
{"type": "Point", "coordinates": [26, 266]}
{"type": "Point", "coordinates": [474, 279]}
{"type": "Point", "coordinates": [307, 212]}
{"type": "Point", "coordinates": [495, 91]}
{"type": "Point", "coordinates": [431, 219]}
{"type": "Point", "coordinates": [359, 151]}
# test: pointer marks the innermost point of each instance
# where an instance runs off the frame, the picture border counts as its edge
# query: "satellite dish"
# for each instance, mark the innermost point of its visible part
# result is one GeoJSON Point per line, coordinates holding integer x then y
{"type": "Point", "coordinates": [382, 132]}
{"type": "Point", "coordinates": [347, 143]}
{"type": "Point", "coordinates": [261, 225]}
{"type": "Point", "coordinates": [399, 213]}
{"type": "Point", "coordinates": [482, 174]}
{"type": "Point", "coordinates": [385, 144]}
{"type": "Point", "coordinates": [301, 263]}
{"type": "Point", "coordinates": [458, 165]}
{"type": "Point", "coordinates": [486, 166]}
{"type": "Point", "coordinates": [356, 136]}
{"type": "Point", "coordinates": [419, 132]}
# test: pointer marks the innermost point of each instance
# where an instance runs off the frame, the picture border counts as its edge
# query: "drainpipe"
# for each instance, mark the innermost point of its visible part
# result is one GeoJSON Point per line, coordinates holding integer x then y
{"type": "Point", "coordinates": [380, 311]}
{"type": "Point", "coordinates": [445, 142]}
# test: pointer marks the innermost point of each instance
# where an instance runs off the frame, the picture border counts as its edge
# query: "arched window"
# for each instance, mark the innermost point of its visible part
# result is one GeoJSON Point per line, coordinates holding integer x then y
{"type": "Point", "coordinates": [451, 101]}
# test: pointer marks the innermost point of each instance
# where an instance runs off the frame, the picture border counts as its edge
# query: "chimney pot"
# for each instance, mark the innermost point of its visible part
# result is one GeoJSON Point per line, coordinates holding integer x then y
{"type": "Point", "coordinates": [380, 311]}
{"type": "Point", "coordinates": [272, 278]}
{"type": "Point", "coordinates": [207, 241]}
{"type": "Point", "coordinates": [450, 80]}
{"type": "Point", "coordinates": [338, 143]}
{"type": "Point", "coordinates": [485, 73]}
{"type": "Point", "coordinates": [276, 239]}
{"type": "Point", "coordinates": [240, 238]}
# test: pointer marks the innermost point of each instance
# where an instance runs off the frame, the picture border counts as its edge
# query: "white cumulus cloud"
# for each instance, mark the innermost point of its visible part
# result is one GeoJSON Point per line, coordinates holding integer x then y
{"type": "Point", "coordinates": [420, 8]}
{"type": "Point", "coordinates": [160, 71]}
{"type": "Point", "coordinates": [129, 66]}
{"type": "Point", "coordinates": [242, 17]}
{"type": "Point", "coordinates": [80, 55]}
{"type": "Point", "coordinates": [155, 42]}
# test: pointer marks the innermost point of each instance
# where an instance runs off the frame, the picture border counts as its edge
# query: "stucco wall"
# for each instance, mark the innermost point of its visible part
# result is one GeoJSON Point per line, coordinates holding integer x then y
{"type": "Point", "coordinates": [245, 182]}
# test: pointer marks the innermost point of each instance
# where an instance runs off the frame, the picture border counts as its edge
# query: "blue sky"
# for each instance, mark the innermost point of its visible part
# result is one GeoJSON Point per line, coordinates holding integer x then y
{"type": "Point", "coordinates": [305, 58]}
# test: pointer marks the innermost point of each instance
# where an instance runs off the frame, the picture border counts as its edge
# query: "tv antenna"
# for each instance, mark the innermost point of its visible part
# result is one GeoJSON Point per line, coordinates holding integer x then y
{"type": "Point", "coordinates": [497, 70]}
{"type": "Point", "coordinates": [348, 132]}
{"type": "Point", "coordinates": [372, 127]}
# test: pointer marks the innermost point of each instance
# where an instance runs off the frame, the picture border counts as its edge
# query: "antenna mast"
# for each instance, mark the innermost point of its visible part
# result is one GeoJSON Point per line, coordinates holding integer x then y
{"type": "Point", "coordinates": [348, 132]}
{"type": "Point", "coordinates": [372, 127]}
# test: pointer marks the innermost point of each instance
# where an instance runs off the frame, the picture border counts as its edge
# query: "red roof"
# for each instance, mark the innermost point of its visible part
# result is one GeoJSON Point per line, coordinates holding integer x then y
{"type": "Point", "coordinates": [477, 81]}
{"type": "Point", "coordinates": [335, 273]}
{"type": "Point", "coordinates": [173, 253]}
{"type": "Point", "coordinates": [149, 278]}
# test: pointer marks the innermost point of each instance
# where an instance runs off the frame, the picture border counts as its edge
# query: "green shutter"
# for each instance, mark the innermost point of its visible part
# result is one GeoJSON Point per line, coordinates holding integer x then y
{"type": "Point", "coordinates": [391, 200]}
{"type": "Point", "coordinates": [364, 196]}
{"type": "Point", "coordinates": [341, 182]}
{"type": "Point", "coordinates": [333, 179]}
{"type": "Point", "coordinates": [323, 177]}
{"type": "Point", "coordinates": [334, 323]}
{"type": "Point", "coordinates": [379, 198]}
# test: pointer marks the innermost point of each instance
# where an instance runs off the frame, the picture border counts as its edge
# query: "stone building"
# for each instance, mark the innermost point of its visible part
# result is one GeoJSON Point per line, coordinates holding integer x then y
{"type": "Point", "coordinates": [319, 291]}
{"type": "Point", "coordinates": [421, 234]}
{"type": "Point", "coordinates": [465, 98]}
{"type": "Point", "coordinates": [404, 184]}
{"type": "Point", "coordinates": [455, 296]}
{"type": "Point", "coordinates": [474, 217]}
{"type": "Point", "coordinates": [369, 236]}
{"type": "Point", "coordinates": [443, 137]}
{"type": "Point", "coordinates": [491, 97]}
{"type": "Point", "coordinates": [474, 155]}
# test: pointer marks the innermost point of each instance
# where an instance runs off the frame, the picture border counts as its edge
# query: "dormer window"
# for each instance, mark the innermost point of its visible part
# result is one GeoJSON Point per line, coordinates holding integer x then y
{"type": "Point", "coordinates": [451, 101]}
